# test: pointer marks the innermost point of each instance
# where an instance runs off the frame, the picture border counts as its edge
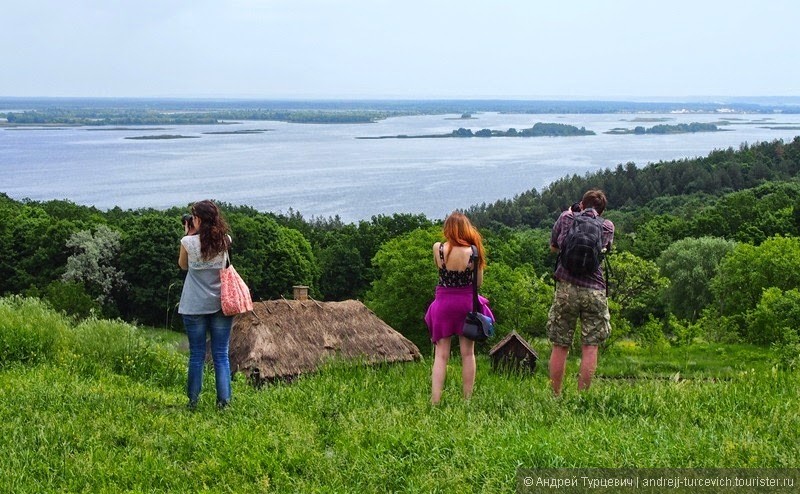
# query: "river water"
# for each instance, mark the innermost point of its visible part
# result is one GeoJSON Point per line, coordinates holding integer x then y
{"type": "Point", "coordinates": [323, 170]}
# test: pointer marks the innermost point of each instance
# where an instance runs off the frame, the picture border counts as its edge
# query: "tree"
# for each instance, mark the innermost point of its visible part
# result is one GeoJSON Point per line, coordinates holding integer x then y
{"type": "Point", "coordinates": [92, 263]}
{"type": "Point", "coordinates": [271, 258]}
{"type": "Point", "coordinates": [635, 285]}
{"type": "Point", "coordinates": [748, 270]}
{"type": "Point", "coordinates": [405, 281]}
{"type": "Point", "coordinates": [655, 235]}
{"type": "Point", "coordinates": [519, 299]}
{"type": "Point", "coordinates": [691, 264]}
{"type": "Point", "coordinates": [520, 246]}
{"type": "Point", "coordinates": [34, 246]}
{"type": "Point", "coordinates": [149, 259]}
{"type": "Point", "coordinates": [342, 271]}
{"type": "Point", "coordinates": [776, 318]}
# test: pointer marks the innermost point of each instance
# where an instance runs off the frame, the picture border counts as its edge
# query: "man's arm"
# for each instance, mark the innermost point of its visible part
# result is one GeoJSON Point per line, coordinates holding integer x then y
{"type": "Point", "coordinates": [608, 234]}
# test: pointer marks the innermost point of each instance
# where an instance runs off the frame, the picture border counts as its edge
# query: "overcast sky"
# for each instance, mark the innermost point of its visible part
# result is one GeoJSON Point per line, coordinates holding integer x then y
{"type": "Point", "coordinates": [400, 48]}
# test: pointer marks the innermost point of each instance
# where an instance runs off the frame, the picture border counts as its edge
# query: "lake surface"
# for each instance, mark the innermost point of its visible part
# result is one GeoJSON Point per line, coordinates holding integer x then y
{"type": "Point", "coordinates": [323, 170]}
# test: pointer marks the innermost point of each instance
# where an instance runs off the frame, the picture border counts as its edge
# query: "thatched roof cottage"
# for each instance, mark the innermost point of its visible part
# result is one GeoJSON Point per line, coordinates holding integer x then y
{"type": "Point", "coordinates": [284, 338]}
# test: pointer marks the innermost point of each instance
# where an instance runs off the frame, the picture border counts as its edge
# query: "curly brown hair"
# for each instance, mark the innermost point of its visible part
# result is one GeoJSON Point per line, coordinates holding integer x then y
{"type": "Point", "coordinates": [213, 229]}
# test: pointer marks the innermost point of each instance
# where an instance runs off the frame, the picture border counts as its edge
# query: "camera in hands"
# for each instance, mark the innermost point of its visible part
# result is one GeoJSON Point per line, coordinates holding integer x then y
{"type": "Point", "coordinates": [186, 219]}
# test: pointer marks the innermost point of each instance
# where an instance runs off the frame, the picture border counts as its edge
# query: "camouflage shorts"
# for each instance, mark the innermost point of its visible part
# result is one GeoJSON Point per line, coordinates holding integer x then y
{"type": "Point", "coordinates": [571, 303]}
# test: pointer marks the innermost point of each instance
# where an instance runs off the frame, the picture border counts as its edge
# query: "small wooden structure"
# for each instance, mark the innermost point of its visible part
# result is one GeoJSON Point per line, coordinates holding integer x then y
{"type": "Point", "coordinates": [300, 292]}
{"type": "Point", "coordinates": [281, 339]}
{"type": "Point", "coordinates": [513, 353]}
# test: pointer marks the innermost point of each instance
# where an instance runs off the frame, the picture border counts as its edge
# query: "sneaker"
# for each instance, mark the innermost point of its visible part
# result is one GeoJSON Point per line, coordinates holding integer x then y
{"type": "Point", "coordinates": [192, 405]}
{"type": "Point", "coordinates": [222, 404]}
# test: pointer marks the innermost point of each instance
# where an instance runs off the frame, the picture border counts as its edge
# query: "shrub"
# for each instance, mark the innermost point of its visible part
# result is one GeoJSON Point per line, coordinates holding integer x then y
{"type": "Point", "coordinates": [651, 334]}
{"type": "Point", "coordinates": [71, 299]}
{"type": "Point", "coordinates": [682, 332]}
{"type": "Point", "coordinates": [717, 328]}
{"type": "Point", "coordinates": [787, 354]}
{"type": "Point", "coordinates": [775, 318]}
{"type": "Point", "coordinates": [621, 328]}
{"type": "Point", "coordinates": [30, 331]}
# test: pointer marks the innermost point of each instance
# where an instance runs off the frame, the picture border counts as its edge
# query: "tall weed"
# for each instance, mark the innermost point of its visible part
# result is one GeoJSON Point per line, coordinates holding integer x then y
{"type": "Point", "coordinates": [121, 348]}
{"type": "Point", "coordinates": [30, 331]}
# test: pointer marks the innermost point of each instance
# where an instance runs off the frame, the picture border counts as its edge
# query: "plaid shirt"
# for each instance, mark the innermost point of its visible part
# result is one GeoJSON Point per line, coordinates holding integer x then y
{"type": "Point", "coordinates": [557, 237]}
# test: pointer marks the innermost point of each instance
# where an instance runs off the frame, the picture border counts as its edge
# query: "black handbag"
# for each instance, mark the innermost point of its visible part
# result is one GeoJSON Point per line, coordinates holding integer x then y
{"type": "Point", "coordinates": [477, 327]}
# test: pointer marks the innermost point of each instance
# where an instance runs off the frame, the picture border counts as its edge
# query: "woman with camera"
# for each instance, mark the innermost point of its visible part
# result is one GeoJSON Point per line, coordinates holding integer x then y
{"type": "Point", "coordinates": [202, 254]}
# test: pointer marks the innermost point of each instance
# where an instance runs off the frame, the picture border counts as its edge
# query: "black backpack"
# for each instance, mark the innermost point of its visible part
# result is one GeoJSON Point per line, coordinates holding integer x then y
{"type": "Point", "coordinates": [582, 251]}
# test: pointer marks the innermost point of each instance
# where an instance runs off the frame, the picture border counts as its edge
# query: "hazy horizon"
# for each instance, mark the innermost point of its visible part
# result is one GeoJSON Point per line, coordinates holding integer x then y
{"type": "Point", "coordinates": [417, 50]}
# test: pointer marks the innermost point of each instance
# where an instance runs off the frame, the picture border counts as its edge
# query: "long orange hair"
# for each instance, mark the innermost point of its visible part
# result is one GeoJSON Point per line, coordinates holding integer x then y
{"type": "Point", "coordinates": [458, 230]}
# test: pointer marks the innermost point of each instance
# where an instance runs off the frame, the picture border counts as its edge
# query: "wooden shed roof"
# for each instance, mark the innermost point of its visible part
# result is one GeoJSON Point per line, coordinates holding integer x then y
{"type": "Point", "coordinates": [508, 338]}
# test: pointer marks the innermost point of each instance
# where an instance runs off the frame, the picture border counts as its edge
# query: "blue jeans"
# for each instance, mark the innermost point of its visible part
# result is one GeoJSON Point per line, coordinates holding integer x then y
{"type": "Point", "coordinates": [197, 326]}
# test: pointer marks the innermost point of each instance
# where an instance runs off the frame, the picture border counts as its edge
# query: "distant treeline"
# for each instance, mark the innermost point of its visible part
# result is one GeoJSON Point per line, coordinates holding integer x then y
{"type": "Point", "coordinates": [99, 111]}
{"type": "Point", "coordinates": [628, 186]}
{"type": "Point", "coordinates": [98, 117]}
{"type": "Point", "coordinates": [432, 106]}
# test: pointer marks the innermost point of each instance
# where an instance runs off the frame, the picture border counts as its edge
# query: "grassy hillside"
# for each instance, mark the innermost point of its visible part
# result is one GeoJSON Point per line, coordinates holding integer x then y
{"type": "Point", "coordinates": [111, 417]}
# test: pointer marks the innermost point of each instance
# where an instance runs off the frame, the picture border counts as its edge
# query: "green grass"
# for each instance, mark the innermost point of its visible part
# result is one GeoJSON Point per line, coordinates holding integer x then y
{"type": "Point", "coordinates": [111, 428]}
{"type": "Point", "coordinates": [697, 361]}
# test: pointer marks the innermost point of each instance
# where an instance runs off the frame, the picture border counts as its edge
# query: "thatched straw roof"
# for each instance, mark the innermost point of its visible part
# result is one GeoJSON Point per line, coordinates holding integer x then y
{"type": "Point", "coordinates": [285, 338]}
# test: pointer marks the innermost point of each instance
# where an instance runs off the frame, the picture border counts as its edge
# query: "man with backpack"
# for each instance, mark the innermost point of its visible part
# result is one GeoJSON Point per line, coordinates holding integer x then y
{"type": "Point", "coordinates": [581, 240]}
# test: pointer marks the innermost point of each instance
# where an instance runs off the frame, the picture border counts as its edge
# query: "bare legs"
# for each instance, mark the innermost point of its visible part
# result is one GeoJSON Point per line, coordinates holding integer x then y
{"type": "Point", "coordinates": [467, 347]}
{"type": "Point", "coordinates": [588, 366]}
{"type": "Point", "coordinates": [441, 355]}
{"type": "Point", "coordinates": [558, 364]}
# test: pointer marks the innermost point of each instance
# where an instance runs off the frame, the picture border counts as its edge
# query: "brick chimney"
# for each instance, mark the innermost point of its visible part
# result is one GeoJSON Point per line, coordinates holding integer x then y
{"type": "Point", "coordinates": [300, 292]}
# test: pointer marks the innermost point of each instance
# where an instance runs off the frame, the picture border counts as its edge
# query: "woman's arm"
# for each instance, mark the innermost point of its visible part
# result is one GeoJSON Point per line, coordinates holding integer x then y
{"type": "Point", "coordinates": [183, 258]}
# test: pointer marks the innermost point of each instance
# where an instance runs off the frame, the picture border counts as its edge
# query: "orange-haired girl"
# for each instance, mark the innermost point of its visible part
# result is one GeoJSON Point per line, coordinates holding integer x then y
{"type": "Point", "coordinates": [446, 314]}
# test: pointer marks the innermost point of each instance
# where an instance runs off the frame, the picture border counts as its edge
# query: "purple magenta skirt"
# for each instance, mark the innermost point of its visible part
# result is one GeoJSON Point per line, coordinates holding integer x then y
{"type": "Point", "coordinates": [446, 314]}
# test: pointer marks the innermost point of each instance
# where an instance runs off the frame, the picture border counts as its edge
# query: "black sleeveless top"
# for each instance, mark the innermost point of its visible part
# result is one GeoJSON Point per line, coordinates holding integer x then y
{"type": "Point", "coordinates": [454, 279]}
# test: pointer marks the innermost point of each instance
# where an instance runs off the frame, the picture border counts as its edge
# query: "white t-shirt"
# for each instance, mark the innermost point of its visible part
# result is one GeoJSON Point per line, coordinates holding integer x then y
{"type": "Point", "coordinates": [200, 293]}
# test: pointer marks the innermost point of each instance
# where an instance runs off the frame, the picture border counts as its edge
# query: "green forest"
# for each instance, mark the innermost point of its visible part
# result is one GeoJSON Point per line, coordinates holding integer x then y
{"type": "Point", "coordinates": [705, 248]}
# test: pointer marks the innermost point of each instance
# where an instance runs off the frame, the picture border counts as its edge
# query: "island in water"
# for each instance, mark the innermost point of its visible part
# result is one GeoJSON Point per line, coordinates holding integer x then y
{"type": "Point", "coordinates": [538, 130]}
{"type": "Point", "coordinates": [162, 136]}
{"type": "Point", "coordinates": [669, 129]}
{"type": "Point", "coordinates": [236, 132]}
{"type": "Point", "coordinates": [464, 116]}
{"type": "Point", "coordinates": [124, 128]}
